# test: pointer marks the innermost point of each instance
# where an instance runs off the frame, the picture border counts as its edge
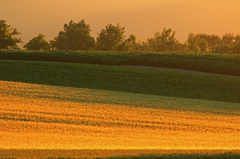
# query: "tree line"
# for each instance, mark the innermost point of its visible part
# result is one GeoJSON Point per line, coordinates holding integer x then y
{"type": "Point", "coordinates": [76, 36]}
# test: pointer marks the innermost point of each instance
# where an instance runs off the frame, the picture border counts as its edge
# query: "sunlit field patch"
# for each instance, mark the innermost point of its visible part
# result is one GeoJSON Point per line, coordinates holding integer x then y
{"type": "Point", "coordinates": [51, 117]}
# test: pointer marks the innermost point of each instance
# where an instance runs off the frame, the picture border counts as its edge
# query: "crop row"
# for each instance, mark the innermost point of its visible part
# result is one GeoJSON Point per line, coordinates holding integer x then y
{"type": "Point", "coordinates": [227, 64]}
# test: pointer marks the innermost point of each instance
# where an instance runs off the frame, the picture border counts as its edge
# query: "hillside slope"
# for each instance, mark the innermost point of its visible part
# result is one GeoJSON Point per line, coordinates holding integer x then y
{"type": "Point", "coordinates": [115, 78]}
{"type": "Point", "coordinates": [39, 116]}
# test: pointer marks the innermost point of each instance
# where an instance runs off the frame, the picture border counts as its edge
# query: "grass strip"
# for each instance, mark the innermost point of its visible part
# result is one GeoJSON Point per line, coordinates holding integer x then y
{"type": "Point", "coordinates": [227, 64]}
{"type": "Point", "coordinates": [178, 156]}
{"type": "Point", "coordinates": [114, 78]}
{"type": "Point", "coordinates": [106, 154]}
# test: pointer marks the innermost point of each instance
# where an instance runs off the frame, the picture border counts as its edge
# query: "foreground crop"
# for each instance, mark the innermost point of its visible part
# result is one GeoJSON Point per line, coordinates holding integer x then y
{"type": "Point", "coordinates": [38, 116]}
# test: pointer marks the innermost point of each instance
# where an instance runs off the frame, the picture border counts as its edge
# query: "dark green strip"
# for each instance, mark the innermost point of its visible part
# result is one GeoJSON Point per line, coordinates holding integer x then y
{"type": "Point", "coordinates": [114, 78]}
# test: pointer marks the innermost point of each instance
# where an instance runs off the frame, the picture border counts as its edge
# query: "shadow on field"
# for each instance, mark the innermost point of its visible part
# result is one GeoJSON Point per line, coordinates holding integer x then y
{"type": "Point", "coordinates": [115, 78]}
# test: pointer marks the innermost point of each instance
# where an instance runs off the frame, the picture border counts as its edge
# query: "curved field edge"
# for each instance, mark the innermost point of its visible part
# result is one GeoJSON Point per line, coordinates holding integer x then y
{"type": "Point", "coordinates": [227, 64]}
{"type": "Point", "coordinates": [95, 96]}
{"type": "Point", "coordinates": [114, 78]}
{"type": "Point", "coordinates": [43, 117]}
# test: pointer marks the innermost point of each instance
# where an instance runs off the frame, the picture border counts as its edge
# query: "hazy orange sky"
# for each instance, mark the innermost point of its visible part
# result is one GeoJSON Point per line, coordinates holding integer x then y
{"type": "Point", "coordinates": [139, 17]}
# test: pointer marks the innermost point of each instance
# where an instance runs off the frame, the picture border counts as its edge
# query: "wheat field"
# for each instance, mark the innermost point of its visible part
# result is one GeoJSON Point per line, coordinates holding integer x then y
{"type": "Point", "coordinates": [36, 116]}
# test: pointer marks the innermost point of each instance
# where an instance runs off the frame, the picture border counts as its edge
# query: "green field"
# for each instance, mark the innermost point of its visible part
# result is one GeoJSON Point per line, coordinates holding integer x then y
{"type": "Point", "coordinates": [228, 64]}
{"type": "Point", "coordinates": [114, 78]}
{"type": "Point", "coordinates": [101, 110]}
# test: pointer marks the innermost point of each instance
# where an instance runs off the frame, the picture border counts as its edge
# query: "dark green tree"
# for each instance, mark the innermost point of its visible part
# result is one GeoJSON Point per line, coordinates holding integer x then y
{"type": "Point", "coordinates": [7, 36]}
{"type": "Point", "coordinates": [37, 43]}
{"type": "Point", "coordinates": [59, 42]}
{"type": "Point", "coordinates": [228, 39]}
{"type": "Point", "coordinates": [75, 36]}
{"type": "Point", "coordinates": [230, 44]}
{"type": "Point", "coordinates": [237, 39]}
{"type": "Point", "coordinates": [143, 46]}
{"type": "Point", "coordinates": [179, 47]}
{"type": "Point", "coordinates": [164, 41]}
{"type": "Point", "coordinates": [111, 38]}
{"type": "Point", "coordinates": [130, 44]}
{"type": "Point", "coordinates": [236, 48]}
{"type": "Point", "coordinates": [222, 48]}
{"type": "Point", "coordinates": [212, 40]}
{"type": "Point", "coordinates": [196, 44]}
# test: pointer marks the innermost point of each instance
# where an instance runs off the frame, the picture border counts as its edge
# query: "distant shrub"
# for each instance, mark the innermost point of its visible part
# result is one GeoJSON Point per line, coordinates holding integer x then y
{"type": "Point", "coordinates": [236, 48]}
{"type": "Point", "coordinates": [222, 48]}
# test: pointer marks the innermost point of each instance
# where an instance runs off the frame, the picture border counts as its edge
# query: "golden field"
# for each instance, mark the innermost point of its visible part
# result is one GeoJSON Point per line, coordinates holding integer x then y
{"type": "Point", "coordinates": [50, 117]}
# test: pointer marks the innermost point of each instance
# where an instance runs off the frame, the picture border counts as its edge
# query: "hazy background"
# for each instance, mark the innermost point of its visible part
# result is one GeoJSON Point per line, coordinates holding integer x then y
{"type": "Point", "coordinates": [139, 17]}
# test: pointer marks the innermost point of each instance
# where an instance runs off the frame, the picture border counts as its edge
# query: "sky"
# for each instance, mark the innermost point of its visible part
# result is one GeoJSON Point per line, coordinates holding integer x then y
{"type": "Point", "coordinates": [141, 18]}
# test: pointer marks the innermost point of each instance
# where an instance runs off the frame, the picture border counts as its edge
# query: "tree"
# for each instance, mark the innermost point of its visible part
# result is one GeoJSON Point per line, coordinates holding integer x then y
{"type": "Point", "coordinates": [59, 42]}
{"type": "Point", "coordinates": [7, 39]}
{"type": "Point", "coordinates": [222, 48]}
{"type": "Point", "coordinates": [230, 44]}
{"type": "Point", "coordinates": [76, 36]}
{"type": "Point", "coordinates": [179, 47]}
{"type": "Point", "coordinates": [37, 43]}
{"type": "Point", "coordinates": [143, 46]}
{"type": "Point", "coordinates": [111, 38]}
{"type": "Point", "coordinates": [164, 41]}
{"type": "Point", "coordinates": [236, 48]}
{"type": "Point", "coordinates": [196, 44]}
{"type": "Point", "coordinates": [130, 44]}
{"type": "Point", "coordinates": [228, 39]}
{"type": "Point", "coordinates": [212, 40]}
{"type": "Point", "coordinates": [237, 39]}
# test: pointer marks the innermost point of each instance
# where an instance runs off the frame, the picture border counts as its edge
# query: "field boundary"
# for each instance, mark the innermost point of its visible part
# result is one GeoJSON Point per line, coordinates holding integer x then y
{"type": "Point", "coordinates": [107, 153]}
{"type": "Point", "coordinates": [146, 67]}
{"type": "Point", "coordinates": [224, 64]}
{"type": "Point", "coordinates": [179, 70]}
